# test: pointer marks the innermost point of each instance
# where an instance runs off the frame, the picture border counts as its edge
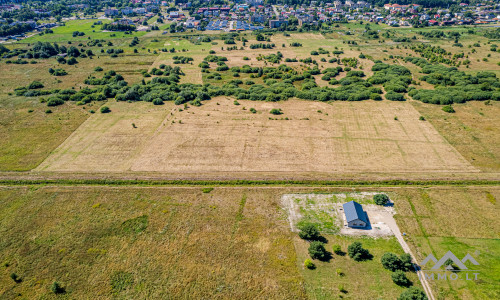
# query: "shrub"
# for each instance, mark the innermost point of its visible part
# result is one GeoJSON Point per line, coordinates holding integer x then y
{"type": "Point", "coordinates": [158, 101]}
{"type": "Point", "coordinates": [207, 190]}
{"type": "Point", "coordinates": [381, 199]}
{"type": "Point", "coordinates": [317, 250]}
{"type": "Point", "coordinates": [337, 250]}
{"type": "Point", "coordinates": [105, 110]}
{"type": "Point", "coordinates": [413, 293]}
{"type": "Point", "coordinates": [35, 85]}
{"type": "Point", "coordinates": [357, 252]}
{"type": "Point", "coordinates": [253, 110]}
{"type": "Point", "coordinates": [55, 101]}
{"type": "Point", "coordinates": [448, 109]}
{"type": "Point", "coordinates": [400, 278]}
{"type": "Point", "coordinates": [309, 264]}
{"type": "Point", "coordinates": [15, 277]}
{"type": "Point", "coordinates": [276, 111]}
{"type": "Point", "coordinates": [421, 118]}
{"type": "Point", "coordinates": [393, 96]}
{"type": "Point", "coordinates": [391, 261]}
{"type": "Point", "coordinates": [309, 231]}
{"type": "Point", "coordinates": [56, 288]}
{"type": "Point", "coordinates": [48, 111]}
{"type": "Point", "coordinates": [98, 69]}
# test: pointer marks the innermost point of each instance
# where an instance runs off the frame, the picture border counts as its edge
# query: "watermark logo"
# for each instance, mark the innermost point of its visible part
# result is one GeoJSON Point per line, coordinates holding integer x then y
{"type": "Point", "coordinates": [452, 263]}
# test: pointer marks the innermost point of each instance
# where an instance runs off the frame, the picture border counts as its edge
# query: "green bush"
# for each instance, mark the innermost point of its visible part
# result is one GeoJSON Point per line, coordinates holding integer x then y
{"type": "Point", "coordinates": [276, 111]}
{"type": "Point", "coordinates": [357, 252]}
{"type": "Point", "coordinates": [158, 101]}
{"type": "Point", "coordinates": [309, 264]}
{"type": "Point", "coordinates": [15, 277]}
{"type": "Point", "coordinates": [309, 231]}
{"type": "Point", "coordinates": [105, 110]}
{"type": "Point", "coordinates": [448, 109]}
{"type": "Point", "coordinates": [381, 199]}
{"type": "Point", "coordinates": [207, 190]}
{"type": "Point", "coordinates": [413, 293]}
{"type": "Point", "coordinates": [35, 85]}
{"type": "Point", "coordinates": [55, 101]}
{"type": "Point", "coordinates": [391, 261]}
{"type": "Point", "coordinates": [337, 250]}
{"type": "Point", "coordinates": [393, 96]}
{"type": "Point", "coordinates": [406, 262]}
{"type": "Point", "coordinates": [253, 110]}
{"type": "Point", "coordinates": [56, 288]}
{"type": "Point", "coordinates": [317, 250]}
{"type": "Point", "coordinates": [400, 278]}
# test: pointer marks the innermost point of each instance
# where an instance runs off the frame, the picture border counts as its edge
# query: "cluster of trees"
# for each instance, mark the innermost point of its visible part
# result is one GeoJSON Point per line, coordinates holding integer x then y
{"type": "Point", "coordinates": [434, 54]}
{"type": "Point", "coordinates": [262, 46]}
{"type": "Point", "coordinates": [57, 72]}
{"type": "Point", "coordinates": [6, 30]}
{"type": "Point", "coordinates": [398, 266]}
{"type": "Point", "coordinates": [118, 27]}
{"type": "Point", "coordinates": [78, 33]}
{"type": "Point", "coordinates": [135, 42]}
{"type": "Point", "coordinates": [272, 58]}
{"type": "Point", "coordinates": [182, 59]}
{"type": "Point", "coordinates": [454, 86]}
{"type": "Point", "coordinates": [440, 34]}
{"type": "Point", "coordinates": [320, 51]}
{"type": "Point", "coordinates": [47, 50]}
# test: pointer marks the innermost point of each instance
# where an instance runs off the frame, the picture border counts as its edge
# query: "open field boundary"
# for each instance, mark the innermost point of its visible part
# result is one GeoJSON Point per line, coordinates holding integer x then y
{"type": "Point", "coordinates": [319, 183]}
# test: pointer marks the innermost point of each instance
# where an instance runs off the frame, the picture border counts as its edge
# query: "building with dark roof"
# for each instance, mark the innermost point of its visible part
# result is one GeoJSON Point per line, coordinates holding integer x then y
{"type": "Point", "coordinates": [354, 214]}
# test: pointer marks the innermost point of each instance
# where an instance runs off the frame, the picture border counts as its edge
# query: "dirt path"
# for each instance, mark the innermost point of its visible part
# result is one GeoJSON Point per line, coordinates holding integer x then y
{"type": "Point", "coordinates": [397, 233]}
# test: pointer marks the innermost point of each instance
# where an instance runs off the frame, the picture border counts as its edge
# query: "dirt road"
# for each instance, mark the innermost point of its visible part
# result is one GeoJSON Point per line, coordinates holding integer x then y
{"type": "Point", "coordinates": [397, 233]}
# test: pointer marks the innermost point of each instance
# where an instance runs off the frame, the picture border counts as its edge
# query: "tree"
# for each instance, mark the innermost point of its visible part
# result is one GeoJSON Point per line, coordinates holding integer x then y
{"type": "Point", "coordinates": [390, 261]}
{"type": "Point", "coordinates": [406, 264]}
{"type": "Point", "coordinates": [357, 252]}
{"type": "Point", "coordinates": [381, 199]}
{"type": "Point", "coordinates": [56, 288]}
{"type": "Point", "coordinates": [105, 110]}
{"type": "Point", "coordinates": [309, 231]}
{"type": "Point", "coordinates": [413, 293]}
{"type": "Point", "coordinates": [317, 250]}
{"type": "Point", "coordinates": [400, 278]}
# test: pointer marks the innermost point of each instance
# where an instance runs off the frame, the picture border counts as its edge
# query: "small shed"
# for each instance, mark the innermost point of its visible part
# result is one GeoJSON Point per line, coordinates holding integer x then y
{"type": "Point", "coordinates": [354, 214]}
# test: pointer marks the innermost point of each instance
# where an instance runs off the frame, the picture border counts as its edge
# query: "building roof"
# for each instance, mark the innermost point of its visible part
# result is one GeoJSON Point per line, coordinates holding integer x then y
{"type": "Point", "coordinates": [354, 211]}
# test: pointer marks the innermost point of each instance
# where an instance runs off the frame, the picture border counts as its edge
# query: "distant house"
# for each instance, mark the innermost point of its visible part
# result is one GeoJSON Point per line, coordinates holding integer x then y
{"type": "Point", "coordinates": [354, 215]}
{"type": "Point", "coordinates": [277, 23]}
{"type": "Point", "coordinates": [111, 12]}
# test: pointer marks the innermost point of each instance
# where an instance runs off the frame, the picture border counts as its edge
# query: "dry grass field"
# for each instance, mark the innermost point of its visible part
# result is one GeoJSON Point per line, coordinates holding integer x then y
{"type": "Point", "coordinates": [138, 243]}
{"type": "Point", "coordinates": [109, 142]}
{"type": "Point", "coordinates": [230, 242]}
{"type": "Point", "coordinates": [472, 130]}
{"type": "Point", "coordinates": [223, 137]}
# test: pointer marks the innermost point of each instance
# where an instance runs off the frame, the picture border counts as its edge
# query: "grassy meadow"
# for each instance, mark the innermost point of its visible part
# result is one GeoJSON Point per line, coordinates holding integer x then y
{"type": "Point", "coordinates": [227, 242]}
